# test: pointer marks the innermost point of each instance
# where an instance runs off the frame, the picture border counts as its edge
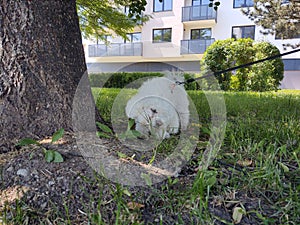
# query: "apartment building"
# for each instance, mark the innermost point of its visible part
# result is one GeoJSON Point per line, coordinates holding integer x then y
{"type": "Point", "coordinates": [177, 35]}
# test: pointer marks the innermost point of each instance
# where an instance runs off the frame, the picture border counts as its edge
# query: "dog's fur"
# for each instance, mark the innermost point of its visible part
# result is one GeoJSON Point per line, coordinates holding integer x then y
{"type": "Point", "coordinates": [160, 107]}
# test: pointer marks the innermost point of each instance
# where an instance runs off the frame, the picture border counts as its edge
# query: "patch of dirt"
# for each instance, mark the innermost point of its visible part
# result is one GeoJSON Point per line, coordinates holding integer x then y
{"type": "Point", "coordinates": [72, 189]}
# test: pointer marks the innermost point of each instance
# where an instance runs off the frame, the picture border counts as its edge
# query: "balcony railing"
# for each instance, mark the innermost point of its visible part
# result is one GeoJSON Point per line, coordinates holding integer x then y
{"type": "Point", "coordinates": [199, 12]}
{"type": "Point", "coordinates": [196, 46]}
{"type": "Point", "coordinates": [115, 49]}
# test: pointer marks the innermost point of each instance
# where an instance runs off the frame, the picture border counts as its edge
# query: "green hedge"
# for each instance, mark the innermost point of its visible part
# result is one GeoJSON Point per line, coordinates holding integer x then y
{"type": "Point", "coordinates": [118, 79]}
{"type": "Point", "coordinates": [121, 79]}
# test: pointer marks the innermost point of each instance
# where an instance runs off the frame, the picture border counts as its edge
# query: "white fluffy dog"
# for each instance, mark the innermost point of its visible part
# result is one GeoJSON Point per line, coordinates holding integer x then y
{"type": "Point", "coordinates": [160, 107]}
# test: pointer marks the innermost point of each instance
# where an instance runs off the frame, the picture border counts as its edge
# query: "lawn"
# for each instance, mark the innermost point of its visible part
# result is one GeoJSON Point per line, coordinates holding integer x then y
{"type": "Point", "coordinates": [256, 171]}
{"type": "Point", "coordinates": [253, 179]}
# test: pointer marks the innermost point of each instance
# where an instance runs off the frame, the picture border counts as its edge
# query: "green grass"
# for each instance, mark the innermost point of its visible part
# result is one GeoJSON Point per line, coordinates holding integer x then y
{"type": "Point", "coordinates": [263, 132]}
{"type": "Point", "coordinates": [256, 169]}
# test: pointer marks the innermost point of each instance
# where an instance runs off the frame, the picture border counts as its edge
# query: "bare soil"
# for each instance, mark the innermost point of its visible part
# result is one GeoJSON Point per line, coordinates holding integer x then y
{"type": "Point", "coordinates": [72, 190]}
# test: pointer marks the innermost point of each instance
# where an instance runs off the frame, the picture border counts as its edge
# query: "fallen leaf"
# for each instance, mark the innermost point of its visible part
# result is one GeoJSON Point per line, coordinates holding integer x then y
{"type": "Point", "coordinates": [135, 205]}
{"type": "Point", "coordinates": [237, 214]}
{"type": "Point", "coordinates": [246, 162]}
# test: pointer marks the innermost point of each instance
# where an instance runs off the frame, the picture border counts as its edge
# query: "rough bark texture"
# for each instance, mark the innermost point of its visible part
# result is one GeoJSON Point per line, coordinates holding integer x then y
{"type": "Point", "coordinates": [41, 63]}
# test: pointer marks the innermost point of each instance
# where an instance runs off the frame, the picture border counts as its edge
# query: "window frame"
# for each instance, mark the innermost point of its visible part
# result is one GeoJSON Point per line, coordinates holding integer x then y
{"type": "Point", "coordinates": [162, 35]}
{"type": "Point", "coordinates": [245, 26]}
{"type": "Point", "coordinates": [201, 2]}
{"type": "Point", "coordinates": [163, 6]}
{"type": "Point", "coordinates": [244, 5]}
{"type": "Point", "coordinates": [199, 29]}
{"type": "Point", "coordinates": [131, 37]}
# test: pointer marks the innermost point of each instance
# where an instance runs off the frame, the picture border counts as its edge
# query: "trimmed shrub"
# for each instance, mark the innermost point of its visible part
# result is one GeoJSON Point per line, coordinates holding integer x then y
{"type": "Point", "coordinates": [224, 54]}
{"type": "Point", "coordinates": [266, 76]}
{"type": "Point", "coordinates": [118, 79]}
{"type": "Point", "coordinates": [121, 79]}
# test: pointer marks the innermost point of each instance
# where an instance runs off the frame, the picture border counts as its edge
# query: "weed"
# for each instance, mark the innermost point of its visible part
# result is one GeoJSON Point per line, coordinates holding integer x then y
{"type": "Point", "coordinates": [50, 155]}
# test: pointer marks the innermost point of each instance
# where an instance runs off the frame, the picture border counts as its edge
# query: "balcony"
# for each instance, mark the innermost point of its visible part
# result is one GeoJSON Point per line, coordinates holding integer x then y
{"type": "Point", "coordinates": [115, 49]}
{"type": "Point", "coordinates": [196, 46]}
{"type": "Point", "coordinates": [198, 13]}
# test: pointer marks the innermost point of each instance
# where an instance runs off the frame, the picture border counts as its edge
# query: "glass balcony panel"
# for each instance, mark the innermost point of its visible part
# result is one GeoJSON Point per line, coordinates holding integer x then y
{"type": "Point", "coordinates": [198, 12]}
{"type": "Point", "coordinates": [196, 46]}
{"type": "Point", "coordinates": [115, 49]}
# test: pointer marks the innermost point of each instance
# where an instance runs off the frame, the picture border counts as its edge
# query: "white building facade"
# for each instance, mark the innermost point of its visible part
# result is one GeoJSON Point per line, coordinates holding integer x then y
{"type": "Point", "coordinates": [177, 35]}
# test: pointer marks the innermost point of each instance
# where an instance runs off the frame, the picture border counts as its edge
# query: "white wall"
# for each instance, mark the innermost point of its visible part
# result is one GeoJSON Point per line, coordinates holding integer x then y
{"type": "Point", "coordinates": [167, 19]}
{"type": "Point", "coordinates": [291, 80]}
{"type": "Point", "coordinates": [229, 17]}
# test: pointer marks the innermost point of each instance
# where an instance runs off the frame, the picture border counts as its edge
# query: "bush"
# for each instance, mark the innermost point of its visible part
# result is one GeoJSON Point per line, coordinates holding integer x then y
{"type": "Point", "coordinates": [118, 79]}
{"type": "Point", "coordinates": [267, 75]}
{"type": "Point", "coordinates": [121, 79]}
{"type": "Point", "coordinates": [224, 54]}
{"type": "Point", "coordinates": [218, 57]}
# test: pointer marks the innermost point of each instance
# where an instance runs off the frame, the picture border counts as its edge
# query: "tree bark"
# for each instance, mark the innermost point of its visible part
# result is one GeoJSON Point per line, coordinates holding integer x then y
{"type": "Point", "coordinates": [41, 63]}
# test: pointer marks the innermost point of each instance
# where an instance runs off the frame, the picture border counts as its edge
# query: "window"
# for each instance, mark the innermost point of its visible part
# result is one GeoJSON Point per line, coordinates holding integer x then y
{"type": "Point", "coordinates": [243, 3]}
{"type": "Point", "coordinates": [200, 2]}
{"type": "Point", "coordinates": [163, 5]}
{"type": "Point", "coordinates": [243, 32]}
{"type": "Point", "coordinates": [133, 37]}
{"type": "Point", "coordinates": [106, 39]}
{"type": "Point", "coordinates": [126, 9]}
{"type": "Point", "coordinates": [162, 35]}
{"type": "Point", "coordinates": [204, 33]}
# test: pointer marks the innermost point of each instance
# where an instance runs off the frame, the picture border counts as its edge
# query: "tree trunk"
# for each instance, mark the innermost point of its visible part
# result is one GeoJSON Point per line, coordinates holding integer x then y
{"type": "Point", "coordinates": [41, 63]}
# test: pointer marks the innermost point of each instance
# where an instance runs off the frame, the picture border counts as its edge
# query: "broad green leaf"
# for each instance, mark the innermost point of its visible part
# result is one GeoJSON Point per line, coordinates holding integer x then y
{"type": "Point", "coordinates": [131, 123]}
{"type": "Point", "coordinates": [147, 179]}
{"type": "Point", "coordinates": [102, 134]}
{"type": "Point", "coordinates": [58, 135]}
{"type": "Point", "coordinates": [57, 157]}
{"type": "Point", "coordinates": [49, 156]}
{"type": "Point", "coordinates": [104, 128]}
{"type": "Point", "coordinates": [136, 133]}
{"type": "Point", "coordinates": [27, 141]}
{"type": "Point", "coordinates": [122, 155]}
{"type": "Point", "coordinates": [126, 192]}
{"type": "Point", "coordinates": [205, 130]}
{"type": "Point", "coordinates": [211, 181]}
{"type": "Point", "coordinates": [122, 135]}
{"type": "Point", "coordinates": [130, 134]}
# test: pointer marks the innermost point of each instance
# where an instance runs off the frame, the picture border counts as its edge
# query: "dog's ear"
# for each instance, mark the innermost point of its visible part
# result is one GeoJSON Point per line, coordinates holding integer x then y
{"type": "Point", "coordinates": [131, 124]}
